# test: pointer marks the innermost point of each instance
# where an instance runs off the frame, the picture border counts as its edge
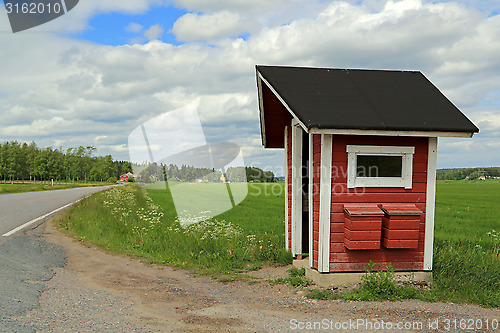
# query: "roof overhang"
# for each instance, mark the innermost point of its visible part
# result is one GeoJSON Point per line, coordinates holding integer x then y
{"type": "Point", "coordinates": [429, 134]}
{"type": "Point", "coordinates": [276, 113]}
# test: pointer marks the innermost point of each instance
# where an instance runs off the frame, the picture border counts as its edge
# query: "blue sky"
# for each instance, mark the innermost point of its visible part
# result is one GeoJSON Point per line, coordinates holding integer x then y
{"type": "Point", "coordinates": [95, 74]}
{"type": "Point", "coordinates": [112, 28]}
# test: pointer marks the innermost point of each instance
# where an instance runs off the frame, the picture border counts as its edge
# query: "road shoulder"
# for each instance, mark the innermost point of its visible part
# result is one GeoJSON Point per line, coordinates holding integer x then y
{"type": "Point", "coordinates": [101, 287]}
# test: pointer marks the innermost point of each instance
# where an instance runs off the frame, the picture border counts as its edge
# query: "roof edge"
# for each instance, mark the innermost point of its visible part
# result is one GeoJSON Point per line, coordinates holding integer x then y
{"type": "Point", "coordinates": [429, 134]}
{"type": "Point", "coordinates": [339, 69]}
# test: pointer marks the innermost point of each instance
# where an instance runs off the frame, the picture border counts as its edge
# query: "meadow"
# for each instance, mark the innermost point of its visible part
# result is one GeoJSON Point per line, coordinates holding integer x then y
{"type": "Point", "coordinates": [467, 242]}
{"type": "Point", "coordinates": [143, 223]}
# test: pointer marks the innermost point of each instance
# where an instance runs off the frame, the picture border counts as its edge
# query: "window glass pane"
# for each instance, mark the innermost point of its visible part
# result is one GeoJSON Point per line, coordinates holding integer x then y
{"type": "Point", "coordinates": [379, 166]}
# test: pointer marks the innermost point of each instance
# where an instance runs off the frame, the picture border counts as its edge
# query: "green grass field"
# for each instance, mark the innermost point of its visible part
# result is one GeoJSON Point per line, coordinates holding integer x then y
{"type": "Point", "coordinates": [262, 210]}
{"type": "Point", "coordinates": [127, 220]}
{"type": "Point", "coordinates": [467, 212]}
{"type": "Point", "coordinates": [467, 242]}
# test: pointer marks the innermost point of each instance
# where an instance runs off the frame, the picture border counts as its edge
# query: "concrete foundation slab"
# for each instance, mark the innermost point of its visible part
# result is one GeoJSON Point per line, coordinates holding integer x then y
{"type": "Point", "coordinates": [348, 279]}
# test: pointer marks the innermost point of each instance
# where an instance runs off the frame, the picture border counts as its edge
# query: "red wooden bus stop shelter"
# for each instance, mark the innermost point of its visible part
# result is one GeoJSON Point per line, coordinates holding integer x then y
{"type": "Point", "coordinates": [360, 150]}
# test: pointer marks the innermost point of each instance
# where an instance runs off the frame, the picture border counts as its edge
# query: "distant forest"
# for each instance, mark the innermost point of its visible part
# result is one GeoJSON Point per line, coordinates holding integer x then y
{"type": "Point", "coordinates": [471, 173]}
{"type": "Point", "coordinates": [23, 161]}
{"type": "Point", "coordinates": [153, 172]}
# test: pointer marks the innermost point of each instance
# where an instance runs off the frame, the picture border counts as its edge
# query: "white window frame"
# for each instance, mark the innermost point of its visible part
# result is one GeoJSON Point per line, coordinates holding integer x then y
{"type": "Point", "coordinates": [405, 180]}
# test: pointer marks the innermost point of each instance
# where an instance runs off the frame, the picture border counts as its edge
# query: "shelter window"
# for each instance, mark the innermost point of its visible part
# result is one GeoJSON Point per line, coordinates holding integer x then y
{"type": "Point", "coordinates": [379, 166]}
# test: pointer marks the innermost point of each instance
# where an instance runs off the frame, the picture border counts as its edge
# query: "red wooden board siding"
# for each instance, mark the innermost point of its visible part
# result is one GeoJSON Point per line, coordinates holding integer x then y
{"type": "Point", "coordinates": [337, 227]}
{"type": "Point", "coordinates": [379, 265]}
{"type": "Point", "coordinates": [288, 150]}
{"type": "Point", "coordinates": [316, 152]}
{"type": "Point", "coordinates": [339, 247]}
{"type": "Point", "coordinates": [384, 256]}
{"type": "Point", "coordinates": [343, 259]}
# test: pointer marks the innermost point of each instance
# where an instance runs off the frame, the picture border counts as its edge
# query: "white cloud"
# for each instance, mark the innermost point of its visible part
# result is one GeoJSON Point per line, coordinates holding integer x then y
{"type": "Point", "coordinates": [192, 27]}
{"type": "Point", "coordinates": [39, 127]}
{"type": "Point", "coordinates": [100, 137]}
{"type": "Point", "coordinates": [209, 5]}
{"type": "Point", "coordinates": [134, 27]}
{"type": "Point", "coordinates": [154, 32]}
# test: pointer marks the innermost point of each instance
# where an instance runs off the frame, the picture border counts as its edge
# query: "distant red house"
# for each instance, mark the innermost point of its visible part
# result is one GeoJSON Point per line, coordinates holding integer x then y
{"type": "Point", "coordinates": [360, 151]}
{"type": "Point", "coordinates": [126, 176]}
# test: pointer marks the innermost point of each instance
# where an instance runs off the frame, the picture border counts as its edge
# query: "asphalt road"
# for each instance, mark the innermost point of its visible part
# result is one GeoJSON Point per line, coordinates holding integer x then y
{"type": "Point", "coordinates": [26, 261]}
{"type": "Point", "coordinates": [20, 208]}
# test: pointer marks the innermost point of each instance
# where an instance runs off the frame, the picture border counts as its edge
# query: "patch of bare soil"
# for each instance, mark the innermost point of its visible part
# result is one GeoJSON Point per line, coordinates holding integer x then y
{"type": "Point", "coordinates": [173, 300]}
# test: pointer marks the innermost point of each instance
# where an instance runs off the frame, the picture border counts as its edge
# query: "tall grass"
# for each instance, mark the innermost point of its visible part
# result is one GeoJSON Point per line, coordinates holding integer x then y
{"type": "Point", "coordinates": [466, 273]}
{"type": "Point", "coordinates": [128, 220]}
{"type": "Point", "coordinates": [467, 242]}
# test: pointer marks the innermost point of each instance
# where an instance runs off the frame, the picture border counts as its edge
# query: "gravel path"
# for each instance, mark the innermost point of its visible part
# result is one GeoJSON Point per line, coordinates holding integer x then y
{"type": "Point", "coordinates": [96, 292]}
{"type": "Point", "coordinates": [68, 305]}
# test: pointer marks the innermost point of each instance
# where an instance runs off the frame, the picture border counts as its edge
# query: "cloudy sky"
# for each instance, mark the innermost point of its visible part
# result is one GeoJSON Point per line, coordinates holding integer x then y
{"type": "Point", "coordinates": [95, 74]}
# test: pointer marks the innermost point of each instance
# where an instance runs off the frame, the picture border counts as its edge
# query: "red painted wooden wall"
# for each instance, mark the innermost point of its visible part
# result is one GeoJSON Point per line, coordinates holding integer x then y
{"type": "Point", "coordinates": [342, 259]}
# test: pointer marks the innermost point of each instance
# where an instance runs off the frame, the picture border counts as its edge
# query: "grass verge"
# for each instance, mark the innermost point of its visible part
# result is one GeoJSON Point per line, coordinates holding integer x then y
{"type": "Point", "coordinates": [127, 220]}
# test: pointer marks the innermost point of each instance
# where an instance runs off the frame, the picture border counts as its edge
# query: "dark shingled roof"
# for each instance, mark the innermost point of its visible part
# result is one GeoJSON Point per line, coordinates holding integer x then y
{"type": "Point", "coordinates": [327, 98]}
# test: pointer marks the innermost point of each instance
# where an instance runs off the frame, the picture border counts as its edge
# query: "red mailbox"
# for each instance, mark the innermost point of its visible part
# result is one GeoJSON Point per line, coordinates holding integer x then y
{"type": "Point", "coordinates": [401, 224]}
{"type": "Point", "coordinates": [363, 225]}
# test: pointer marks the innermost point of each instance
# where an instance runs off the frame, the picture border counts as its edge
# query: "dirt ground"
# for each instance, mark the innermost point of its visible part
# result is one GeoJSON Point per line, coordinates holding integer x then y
{"type": "Point", "coordinates": [162, 299]}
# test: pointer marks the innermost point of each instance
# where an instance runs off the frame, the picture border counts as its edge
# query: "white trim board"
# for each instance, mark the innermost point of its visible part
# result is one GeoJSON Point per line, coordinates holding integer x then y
{"type": "Point", "coordinates": [325, 203]}
{"type": "Point", "coordinates": [433, 134]}
{"type": "Point", "coordinates": [406, 179]}
{"type": "Point", "coordinates": [384, 150]}
{"type": "Point", "coordinates": [296, 189]}
{"type": "Point", "coordinates": [287, 184]}
{"type": "Point", "coordinates": [430, 205]}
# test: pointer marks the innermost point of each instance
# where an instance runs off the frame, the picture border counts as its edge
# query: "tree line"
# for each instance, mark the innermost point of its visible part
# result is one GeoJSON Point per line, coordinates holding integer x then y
{"type": "Point", "coordinates": [152, 172]}
{"type": "Point", "coordinates": [470, 173]}
{"type": "Point", "coordinates": [27, 161]}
